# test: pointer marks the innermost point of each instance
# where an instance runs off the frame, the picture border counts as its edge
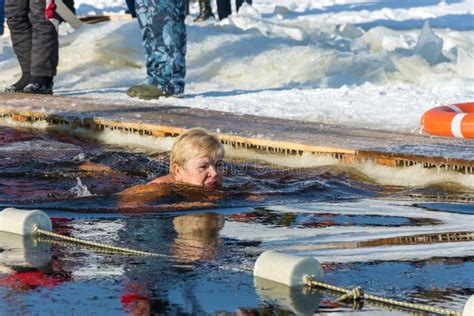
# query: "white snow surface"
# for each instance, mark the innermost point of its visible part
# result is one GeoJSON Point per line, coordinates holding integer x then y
{"type": "Point", "coordinates": [359, 63]}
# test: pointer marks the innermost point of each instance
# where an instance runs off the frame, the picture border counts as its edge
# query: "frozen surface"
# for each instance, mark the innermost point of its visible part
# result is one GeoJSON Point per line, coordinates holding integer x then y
{"type": "Point", "coordinates": [351, 62]}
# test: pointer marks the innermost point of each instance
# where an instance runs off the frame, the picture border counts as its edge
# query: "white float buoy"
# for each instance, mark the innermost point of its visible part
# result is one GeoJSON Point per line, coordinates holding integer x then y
{"type": "Point", "coordinates": [287, 269]}
{"type": "Point", "coordinates": [469, 307]}
{"type": "Point", "coordinates": [23, 222]}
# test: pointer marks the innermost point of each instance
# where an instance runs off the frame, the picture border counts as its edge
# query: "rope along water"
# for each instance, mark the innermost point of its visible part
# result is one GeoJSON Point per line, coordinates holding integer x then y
{"type": "Point", "coordinates": [355, 294]}
{"type": "Point", "coordinates": [97, 245]}
{"type": "Point", "coordinates": [358, 294]}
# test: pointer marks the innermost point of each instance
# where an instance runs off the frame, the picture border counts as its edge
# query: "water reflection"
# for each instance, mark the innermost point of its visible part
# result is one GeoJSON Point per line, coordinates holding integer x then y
{"type": "Point", "coordinates": [198, 236]}
{"type": "Point", "coordinates": [26, 264]}
{"type": "Point", "coordinates": [191, 240]}
{"type": "Point", "coordinates": [299, 300]}
{"type": "Point", "coordinates": [23, 251]}
{"type": "Point", "coordinates": [267, 216]}
{"type": "Point", "coordinates": [201, 284]}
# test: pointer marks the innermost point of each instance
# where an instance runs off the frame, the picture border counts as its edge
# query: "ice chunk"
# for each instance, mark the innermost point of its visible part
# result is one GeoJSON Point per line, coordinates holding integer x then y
{"type": "Point", "coordinates": [412, 68]}
{"type": "Point", "coordinates": [80, 190]}
{"type": "Point", "coordinates": [382, 39]}
{"type": "Point", "coordinates": [249, 11]}
{"type": "Point", "coordinates": [281, 10]}
{"type": "Point", "coordinates": [430, 46]}
{"type": "Point", "coordinates": [267, 28]}
{"type": "Point", "coordinates": [465, 63]}
{"type": "Point", "coordinates": [350, 31]}
{"type": "Point", "coordinates": [377, 76]}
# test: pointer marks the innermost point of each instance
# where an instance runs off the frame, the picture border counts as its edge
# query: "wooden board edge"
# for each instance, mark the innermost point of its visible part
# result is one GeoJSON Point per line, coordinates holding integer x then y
{"type": "Point", "coordinates": [349, 156]}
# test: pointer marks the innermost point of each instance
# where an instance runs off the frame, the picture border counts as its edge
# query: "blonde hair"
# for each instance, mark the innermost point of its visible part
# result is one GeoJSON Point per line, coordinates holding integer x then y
{"type": "Point", "coordinates": [195, 143]}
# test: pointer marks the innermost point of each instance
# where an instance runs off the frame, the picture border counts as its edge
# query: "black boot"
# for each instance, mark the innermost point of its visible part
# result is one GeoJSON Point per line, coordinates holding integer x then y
{"type": "Point", "coordinates": [40, 85]}
{"type": "Point", "coordinates": [205, 11]}
{"type": "Point", "coordinates": [18, 86]}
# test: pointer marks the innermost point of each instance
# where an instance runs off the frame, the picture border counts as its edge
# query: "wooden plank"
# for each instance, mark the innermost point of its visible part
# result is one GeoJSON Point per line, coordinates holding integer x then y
{"type": "Point", "coordinates": [88, 19]}
{"type": "Point", "coordinates": [277, 136]}
{"type": "Point", "coordinates": [93, 19]}
{"type": "Point", "coordinates": [67, 15]}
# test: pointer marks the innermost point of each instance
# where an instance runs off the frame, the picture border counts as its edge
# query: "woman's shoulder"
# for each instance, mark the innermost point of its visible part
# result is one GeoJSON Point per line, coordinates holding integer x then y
{"type": "Point", "coordinates": [164, 179]}
{"type": "Point", "coordinates": [152, 186]}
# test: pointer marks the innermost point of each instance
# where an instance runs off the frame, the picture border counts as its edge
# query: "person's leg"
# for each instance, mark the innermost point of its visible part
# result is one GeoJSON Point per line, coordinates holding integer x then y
{"type": "Point", "coordinates": [224, 9]}
{"type": "Point", "coordinates": [205, 11]}
{"type": "Point", "coordinates": [164, 39]}
{"type": "Point", "coordinates": [2, 15]}
{"type": "Point", "coordinates": [131, 7]}
{"type": "Point", "coordinates": [45, 50]}
{"type": "Point", "coordinates": [16, 12]}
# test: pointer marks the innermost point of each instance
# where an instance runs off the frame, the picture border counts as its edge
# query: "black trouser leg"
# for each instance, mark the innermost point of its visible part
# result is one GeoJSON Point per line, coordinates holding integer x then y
{"type": "Point", "coordinates": [131, 7]}
{"type": "Point", "coordinates": [45, 43]}
{"type": "Point", "coordinates": [224, 9]}
{"type": "Point", "coordinates": [34, 38]}
{"type": "Point", "coordinates": [16, 12]}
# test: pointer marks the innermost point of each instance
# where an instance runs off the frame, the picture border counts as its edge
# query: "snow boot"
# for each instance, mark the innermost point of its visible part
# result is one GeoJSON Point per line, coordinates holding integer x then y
{"type": "Point", "coordinates": [40, 85]}
{"type": "Point", "coordinates": [205, 11]}
{"type": "Point", "coordinates": [146, 92]}
{"type": "Point", "coordinates": [18, 86]}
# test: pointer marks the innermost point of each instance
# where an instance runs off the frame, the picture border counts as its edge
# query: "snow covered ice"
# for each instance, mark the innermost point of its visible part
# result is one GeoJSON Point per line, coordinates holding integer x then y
{"type": "Point", "coordinates": [361, 63]}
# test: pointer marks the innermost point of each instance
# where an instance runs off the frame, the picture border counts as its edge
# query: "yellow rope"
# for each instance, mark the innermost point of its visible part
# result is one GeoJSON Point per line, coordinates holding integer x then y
{"type": "Point", "coordinates": [96, 244]}
{"type": "Point", "coordinates": [358, 294]}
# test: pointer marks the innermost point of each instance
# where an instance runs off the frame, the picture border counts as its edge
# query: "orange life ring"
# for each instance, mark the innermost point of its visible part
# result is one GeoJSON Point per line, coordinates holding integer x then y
{"type": "Point", "coordinates": [455, 120]}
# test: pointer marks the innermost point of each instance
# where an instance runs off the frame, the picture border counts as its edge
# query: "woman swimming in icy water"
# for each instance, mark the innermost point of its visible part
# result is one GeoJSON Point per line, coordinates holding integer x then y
{"type": "Point", "coordinates": [196, 161]}
{"type": "Point", "coordinates": [194, 181]}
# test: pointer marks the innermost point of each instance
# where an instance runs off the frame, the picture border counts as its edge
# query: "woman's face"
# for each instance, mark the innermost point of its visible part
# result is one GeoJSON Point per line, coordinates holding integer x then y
{"type": "Point", "coordinates": [202, 171]}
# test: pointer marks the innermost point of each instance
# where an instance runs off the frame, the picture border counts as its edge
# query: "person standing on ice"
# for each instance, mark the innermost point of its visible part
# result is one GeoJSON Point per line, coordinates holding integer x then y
{"type": "Point", "coordinates": [131, 8]}
{"type": "Point", "coordinates": [205, 11]}
{"type": "Point", "coordinates": [224, 8]}
{"type": "Point", "coordinates": [164, 39]}
{"type": "Point", "coordinates": [2, 15]}
{"type": "Point", "coordinates": [33, 26]}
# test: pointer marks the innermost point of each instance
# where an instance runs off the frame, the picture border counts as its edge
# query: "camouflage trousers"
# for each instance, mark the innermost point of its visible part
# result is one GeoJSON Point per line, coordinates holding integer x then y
{"type": "Point", "coordinates": [164, 39]}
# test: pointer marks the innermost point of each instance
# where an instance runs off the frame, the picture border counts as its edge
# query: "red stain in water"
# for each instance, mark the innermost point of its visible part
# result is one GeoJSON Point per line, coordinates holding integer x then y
{"type": "Point", "coordinates": [29, 280]}
{"type": "Point", "coordinates": [60, 219]}
{"type": "Point", "coordinates": [243, 217]}
{"type": "Point", "coordinates": [329, 304]}
{"type": "Point", "coordinates": [319, 224]}
{"type": "Point", "coordinates": [128, 299]}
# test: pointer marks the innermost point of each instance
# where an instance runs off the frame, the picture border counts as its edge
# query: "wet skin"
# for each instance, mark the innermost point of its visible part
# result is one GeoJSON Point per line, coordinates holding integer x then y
{"type": "Point", "coordinates": [199, 171]}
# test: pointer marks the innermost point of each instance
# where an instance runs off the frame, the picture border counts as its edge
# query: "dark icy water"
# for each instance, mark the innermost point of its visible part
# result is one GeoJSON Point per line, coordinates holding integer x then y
{"type": "Point", "coordinates": [212, 247]}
